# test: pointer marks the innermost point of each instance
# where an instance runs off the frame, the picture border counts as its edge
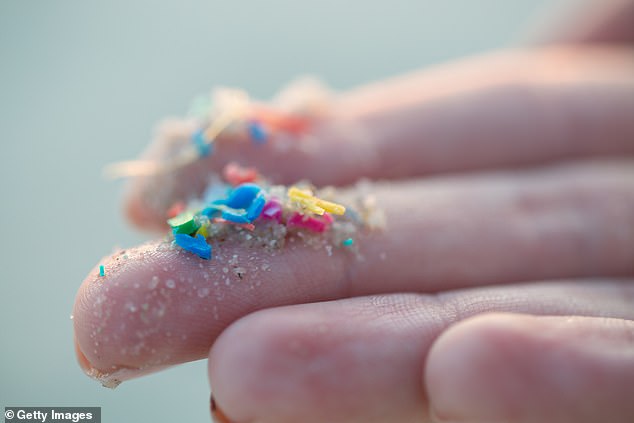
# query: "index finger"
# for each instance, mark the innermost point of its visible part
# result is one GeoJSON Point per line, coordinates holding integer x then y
{"type": "Point", "coordinates": [157, 305]}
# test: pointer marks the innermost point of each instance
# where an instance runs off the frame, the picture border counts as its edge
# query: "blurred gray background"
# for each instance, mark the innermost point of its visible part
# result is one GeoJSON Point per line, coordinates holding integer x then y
{"type": "Point", "coordinates": [83, 83]}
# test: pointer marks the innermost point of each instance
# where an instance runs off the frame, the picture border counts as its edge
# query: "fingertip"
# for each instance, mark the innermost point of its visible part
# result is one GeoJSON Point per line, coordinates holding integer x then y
{"type": "Point", "coordinates": [122, 318]}
{"type": "Point", "coordinates": [520, 368]}
{"type": "Point", "coordinates": [242, 368]}
{"type": "Point", "coordinates": [277, 366]}
{"type": "Point", "coordinates": [461, 367]}
{"type": "Point", "coordinates": [137, 211]}
{"type": "Point", "coordinates": [147, 198]}
{"type": "Point", "coordinates": [94, 335]}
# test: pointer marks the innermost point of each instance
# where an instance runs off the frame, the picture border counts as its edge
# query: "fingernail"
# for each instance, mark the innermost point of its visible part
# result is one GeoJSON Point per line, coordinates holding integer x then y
{"type": "Point", "coordinates": [109, 380]}
{"type": "Point", "coordinates": [216, 413]}
{"type": "Point", "coordinates": [81, 358]}
{"type": "Point", "coordinates": [114, 377]}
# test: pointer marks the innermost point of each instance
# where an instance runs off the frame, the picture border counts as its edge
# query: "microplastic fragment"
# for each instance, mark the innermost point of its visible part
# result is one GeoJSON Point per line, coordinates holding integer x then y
{"type": "Point", "coordinates": [196, 245]}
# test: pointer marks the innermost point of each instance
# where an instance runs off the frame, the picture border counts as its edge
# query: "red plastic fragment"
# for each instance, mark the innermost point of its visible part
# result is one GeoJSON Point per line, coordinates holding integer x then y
{"type": "Point", "coordinates": [176, 209]}
{"type": "Point", "coordinates": [236, 174]}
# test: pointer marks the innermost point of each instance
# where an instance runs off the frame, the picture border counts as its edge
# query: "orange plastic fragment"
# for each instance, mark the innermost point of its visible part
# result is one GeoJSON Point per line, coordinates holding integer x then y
{"type": "Point", "coordinates": [281, 121]}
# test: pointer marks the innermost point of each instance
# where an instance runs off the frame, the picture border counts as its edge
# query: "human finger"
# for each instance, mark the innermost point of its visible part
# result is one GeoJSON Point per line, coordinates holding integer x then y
{"type": "Point", "coordinates": [527, 369]}
{"type": "Point", "coordinates": [506, 109]}
{"type": "Point", "coordinates": [363, 359]}
{"type": "Point", "coordinates": [157, 305]}
{"type": "Point", "coordinates": [589, 22]}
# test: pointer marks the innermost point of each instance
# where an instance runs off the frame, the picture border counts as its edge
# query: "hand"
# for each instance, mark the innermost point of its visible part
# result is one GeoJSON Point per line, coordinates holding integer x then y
{"type": "Point", "coordinates": [392, 338]}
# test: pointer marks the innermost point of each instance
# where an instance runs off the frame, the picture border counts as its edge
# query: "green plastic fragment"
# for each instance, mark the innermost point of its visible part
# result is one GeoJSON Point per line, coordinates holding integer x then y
{"type": "Point", "coordinates": [184, 223]}
{"type": "Point", "coordinates": [348, 242]}
{"type": "Point", "coordinates": [102, 271]}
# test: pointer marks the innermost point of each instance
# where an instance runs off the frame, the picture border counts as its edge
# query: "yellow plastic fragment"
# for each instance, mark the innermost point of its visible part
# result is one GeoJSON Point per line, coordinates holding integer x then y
{"type": "Point", "coordinates": [331, 207]}
{"type": "Point", "coordinates": [203, 231]}
{"type": "Point", "coordinates": [314, 204]}
{"type": "Point", "coordinates": [296, 193]}
{"type": "Point", "coordinates": [306, 199]}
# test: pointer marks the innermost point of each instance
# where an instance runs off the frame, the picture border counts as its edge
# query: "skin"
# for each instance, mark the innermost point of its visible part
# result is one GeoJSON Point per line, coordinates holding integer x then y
{"type": "Point", "coordinates": [502, 289]}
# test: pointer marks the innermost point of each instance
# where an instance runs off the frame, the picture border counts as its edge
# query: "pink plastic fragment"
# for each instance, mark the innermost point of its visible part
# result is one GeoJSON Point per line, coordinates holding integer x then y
{"type": "Point", "coordinates": [315, 224]}
{"type": "Point", "coordinates": [272, 210]}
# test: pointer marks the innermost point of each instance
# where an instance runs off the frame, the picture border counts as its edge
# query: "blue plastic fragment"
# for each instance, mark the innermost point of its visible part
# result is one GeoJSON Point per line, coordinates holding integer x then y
{"type": "Point", "coordinates": [235, 215]}
{"type": "Point", "coordinates": [196, 245]}
{"type": "Point", "coordinates": [257, 132]}
{"type": "Point", "coordinates": [201, 144]}
{"type": "Point", "coordinates": [348, 242]}
{"type": "Point", "coordinates": [214, 208]}
{"type": "Point", "coordinates": [102, 271]}
{"type": "Point", "coordinates": [211, 211]}
{"type": "Point", "coordinates": [242, 196]}
{"type": "Point", "coordinates": [255, 209]}
{"type": "Point", "coordinates": [243, 204]}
